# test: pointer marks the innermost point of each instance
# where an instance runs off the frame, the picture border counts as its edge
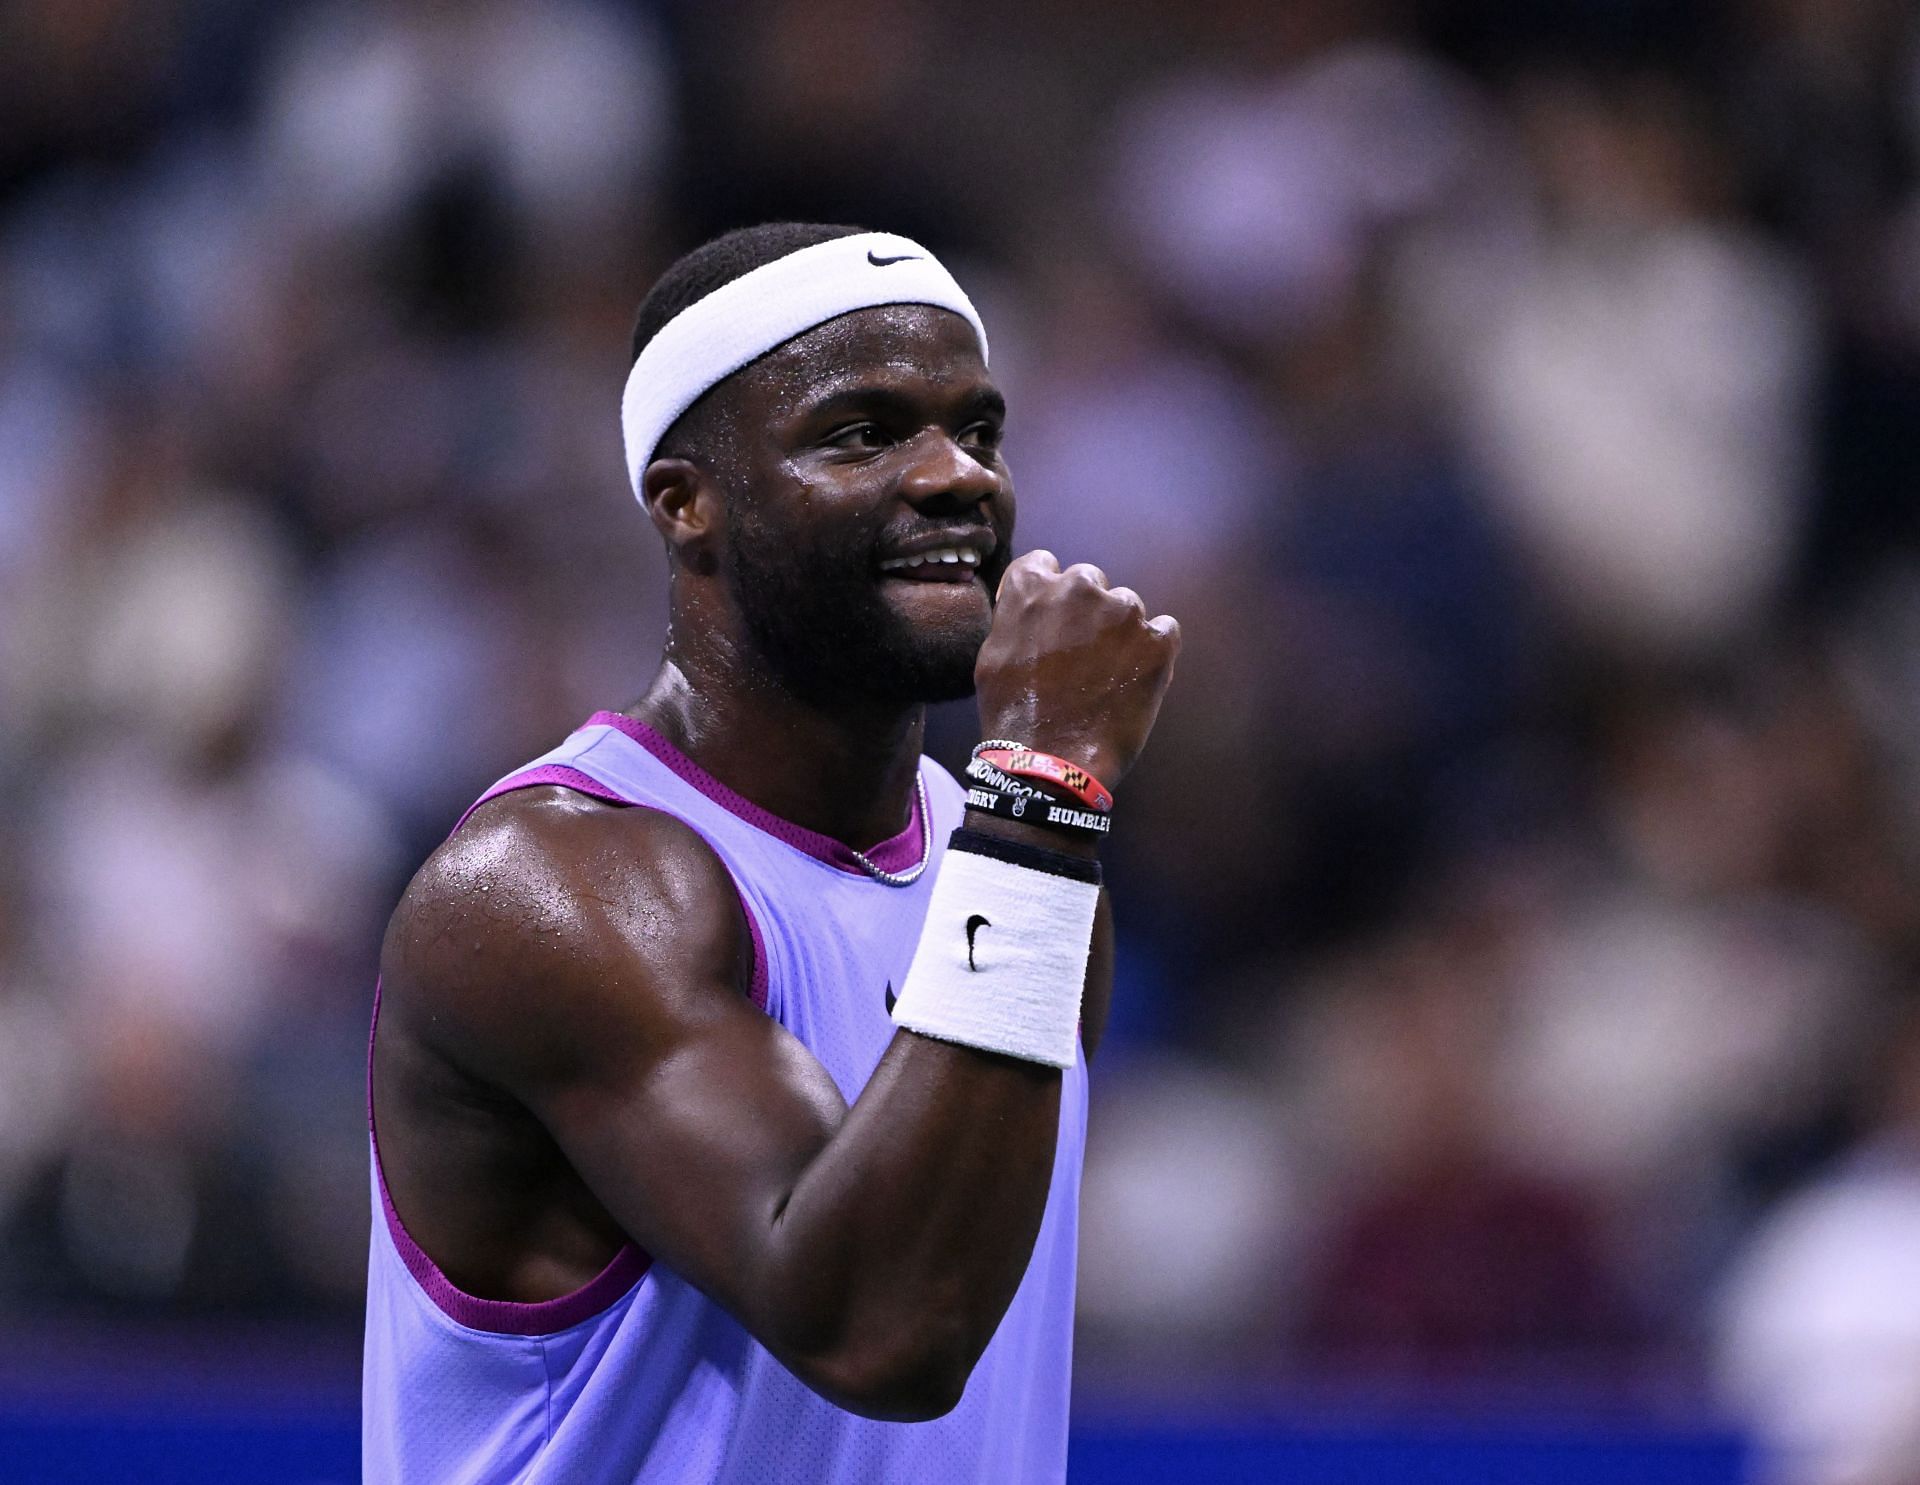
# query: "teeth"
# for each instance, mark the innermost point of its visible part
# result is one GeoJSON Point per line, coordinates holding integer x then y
{"type": "Point", "coordinates": [965, 556]}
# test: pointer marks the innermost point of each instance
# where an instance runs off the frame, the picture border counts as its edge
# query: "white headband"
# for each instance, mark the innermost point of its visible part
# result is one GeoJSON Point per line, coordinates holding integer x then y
{"type": "Point", "coordinates": [741, 321]}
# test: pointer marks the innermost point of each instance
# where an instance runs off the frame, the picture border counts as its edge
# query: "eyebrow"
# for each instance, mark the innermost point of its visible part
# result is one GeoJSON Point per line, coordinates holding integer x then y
{"type": "Point", "coordinates": [982, 401]}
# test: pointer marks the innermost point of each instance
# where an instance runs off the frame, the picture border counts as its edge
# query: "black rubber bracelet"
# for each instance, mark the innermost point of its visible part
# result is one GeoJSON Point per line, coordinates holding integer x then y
{"type": "Point", "coordinates": [1068, 819]}
{"type": "Point", "coordinates": [1019, 853]}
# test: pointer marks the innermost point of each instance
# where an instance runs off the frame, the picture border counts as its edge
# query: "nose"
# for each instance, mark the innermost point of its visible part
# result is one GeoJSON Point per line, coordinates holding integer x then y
{"type": "Point", "coordinates": [943, 475]}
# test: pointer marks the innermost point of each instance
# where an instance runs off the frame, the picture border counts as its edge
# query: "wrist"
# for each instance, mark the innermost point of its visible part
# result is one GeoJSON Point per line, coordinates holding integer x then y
{"type": "Point", "coordinates": [1097, 760]}
{"type": "Point", "coordinates": [1003, 952]}
{"type": "Point", "coordinates": [1035, 793]}
{"type": "Point", "coordinates": [1086, 848]}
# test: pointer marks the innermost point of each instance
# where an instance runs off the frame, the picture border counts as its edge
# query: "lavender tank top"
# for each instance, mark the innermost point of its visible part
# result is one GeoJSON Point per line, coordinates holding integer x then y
{"type": "Point", "coordinates": [638, 1378]}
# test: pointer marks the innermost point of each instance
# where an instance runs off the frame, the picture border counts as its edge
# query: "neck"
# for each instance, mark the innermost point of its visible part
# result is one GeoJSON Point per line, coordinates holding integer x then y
{"type": "Point", "coordinates": [845, 770]}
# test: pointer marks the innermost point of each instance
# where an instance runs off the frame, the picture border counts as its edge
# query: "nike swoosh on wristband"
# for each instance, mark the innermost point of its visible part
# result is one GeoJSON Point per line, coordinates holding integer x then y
{"type": "Point", "coordinates": [883, 262]}
{"type": "Point", "coordinates": [974, 925]}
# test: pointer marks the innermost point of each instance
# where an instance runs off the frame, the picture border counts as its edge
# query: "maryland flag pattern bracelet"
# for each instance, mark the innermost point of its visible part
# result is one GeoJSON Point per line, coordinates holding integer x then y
{"type": "Point", "coordinates": [1025, 763]}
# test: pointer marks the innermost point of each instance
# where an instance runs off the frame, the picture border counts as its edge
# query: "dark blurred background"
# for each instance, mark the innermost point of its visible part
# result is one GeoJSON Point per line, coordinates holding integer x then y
{"type": "Point", "coordinates": [1519, 404]}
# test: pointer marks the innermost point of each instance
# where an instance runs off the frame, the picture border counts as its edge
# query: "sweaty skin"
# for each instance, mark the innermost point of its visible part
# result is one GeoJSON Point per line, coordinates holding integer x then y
{"type": "Point", "coordinates": [568, 1058]}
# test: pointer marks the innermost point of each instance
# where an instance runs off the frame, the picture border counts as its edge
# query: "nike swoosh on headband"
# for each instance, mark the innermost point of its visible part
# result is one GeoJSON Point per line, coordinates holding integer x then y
{"type": "Point", "coordinates": [747, 317]}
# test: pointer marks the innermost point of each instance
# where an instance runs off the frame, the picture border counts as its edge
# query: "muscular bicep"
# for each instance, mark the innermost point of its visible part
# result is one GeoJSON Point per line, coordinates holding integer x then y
{"type": "Point", "coordinates": [694, 1136]}
{"type": "Point", "coordinates": [599, 978]}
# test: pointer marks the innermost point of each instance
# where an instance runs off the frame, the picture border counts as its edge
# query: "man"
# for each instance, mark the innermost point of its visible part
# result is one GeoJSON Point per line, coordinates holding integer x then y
{"type": "Point", "coordinates": [728, 1099]}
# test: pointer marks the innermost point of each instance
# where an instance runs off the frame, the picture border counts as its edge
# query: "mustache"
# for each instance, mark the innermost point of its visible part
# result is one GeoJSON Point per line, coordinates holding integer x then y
{"type": "Point", "coordinates": [920, 536]}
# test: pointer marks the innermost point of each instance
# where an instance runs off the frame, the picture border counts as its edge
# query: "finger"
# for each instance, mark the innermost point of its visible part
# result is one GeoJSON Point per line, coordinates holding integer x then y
{"type": "Point", "coordinates": [1089, 571]}
{"type": "Point", "coordinates": [1039, 560]}
{"type": "Point", "coordinates": [1168, 628]}
{"type": "Point", "coordinates": [1130, 598]}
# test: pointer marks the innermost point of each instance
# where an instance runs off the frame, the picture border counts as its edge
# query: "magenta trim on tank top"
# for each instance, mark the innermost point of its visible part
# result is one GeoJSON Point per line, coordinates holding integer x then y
{"type": "Point", "coordinates": [531, 778]}
{"type": "Point", "coordinates": [898, 853]}
{"type": "Point", "coordinates": [500, 1316]}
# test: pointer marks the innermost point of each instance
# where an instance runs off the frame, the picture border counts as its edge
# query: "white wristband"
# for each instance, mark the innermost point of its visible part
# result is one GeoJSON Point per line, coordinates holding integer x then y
{"type": "Point", "coordinates": [1002, 959]}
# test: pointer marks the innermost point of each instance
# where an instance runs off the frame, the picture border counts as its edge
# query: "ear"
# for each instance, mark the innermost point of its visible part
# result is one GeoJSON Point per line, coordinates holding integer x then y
{"type": "Point", "coordinates": [685, 505]}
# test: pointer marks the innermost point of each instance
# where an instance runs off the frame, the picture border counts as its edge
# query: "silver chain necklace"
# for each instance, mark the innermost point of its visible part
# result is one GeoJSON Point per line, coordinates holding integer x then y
{"type": "Point", "coordinates": [909, 877]}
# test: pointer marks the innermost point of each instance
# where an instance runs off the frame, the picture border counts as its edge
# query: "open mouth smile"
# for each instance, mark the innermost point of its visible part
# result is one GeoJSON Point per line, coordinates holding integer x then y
{"type": "Point", "coordinates": [938, 565]}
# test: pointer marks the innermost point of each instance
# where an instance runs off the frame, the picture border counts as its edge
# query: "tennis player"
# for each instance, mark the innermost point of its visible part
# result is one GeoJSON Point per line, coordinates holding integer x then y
{"type": "Point", "coordinates": [728, 1087]}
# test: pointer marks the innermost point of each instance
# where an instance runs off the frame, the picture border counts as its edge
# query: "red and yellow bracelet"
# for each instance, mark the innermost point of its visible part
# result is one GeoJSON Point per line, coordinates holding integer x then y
{"type": "Point", "coordinates": [1024, 763]}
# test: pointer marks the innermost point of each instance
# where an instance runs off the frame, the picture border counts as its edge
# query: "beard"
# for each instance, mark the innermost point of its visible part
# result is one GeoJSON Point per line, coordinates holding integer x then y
{"type": "Point", "coordinates": [817, 615]}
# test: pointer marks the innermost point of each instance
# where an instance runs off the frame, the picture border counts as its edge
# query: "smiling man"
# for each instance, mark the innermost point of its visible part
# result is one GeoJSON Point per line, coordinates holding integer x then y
{"type": "Point", "coordinates": [728, 1082]}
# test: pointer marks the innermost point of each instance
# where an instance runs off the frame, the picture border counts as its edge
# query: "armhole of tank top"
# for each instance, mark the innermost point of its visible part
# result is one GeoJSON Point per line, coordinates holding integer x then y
{"type": "Point", "coordinates": [627, 1266]}
{"type": "Point", "coordinates": [624, 1270]}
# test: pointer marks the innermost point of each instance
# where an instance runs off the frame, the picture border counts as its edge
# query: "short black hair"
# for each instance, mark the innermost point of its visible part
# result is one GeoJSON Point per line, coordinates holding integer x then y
{"type": "Point", "coordinates": [720, 261]}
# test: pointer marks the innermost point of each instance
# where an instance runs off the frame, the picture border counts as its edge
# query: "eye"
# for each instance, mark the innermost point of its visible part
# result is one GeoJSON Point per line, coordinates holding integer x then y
{"type": "Point", "coordinates": [862, 436]}
{"type": "Point", "coordinates": [983, 435]}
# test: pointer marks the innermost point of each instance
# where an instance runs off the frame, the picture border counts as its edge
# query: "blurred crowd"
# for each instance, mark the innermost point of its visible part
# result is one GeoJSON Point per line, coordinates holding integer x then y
{"type": "Point", "coordinates": [1519, 405]}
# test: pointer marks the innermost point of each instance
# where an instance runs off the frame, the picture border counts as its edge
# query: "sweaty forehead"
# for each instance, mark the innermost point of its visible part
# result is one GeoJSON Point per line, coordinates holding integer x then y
{"type": "Point", "coordinates": [904, 342]}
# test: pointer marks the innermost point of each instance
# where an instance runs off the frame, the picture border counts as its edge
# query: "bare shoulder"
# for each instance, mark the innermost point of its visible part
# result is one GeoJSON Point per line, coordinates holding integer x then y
{"type": "Point", "coordinates": [553, 929]}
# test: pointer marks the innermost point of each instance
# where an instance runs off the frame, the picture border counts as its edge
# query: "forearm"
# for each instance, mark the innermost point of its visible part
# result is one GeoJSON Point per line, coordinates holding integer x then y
{"type": "Point", "coordinates": [930, 1195]}
{"type": "Point", "coordinates": [905, 1238]}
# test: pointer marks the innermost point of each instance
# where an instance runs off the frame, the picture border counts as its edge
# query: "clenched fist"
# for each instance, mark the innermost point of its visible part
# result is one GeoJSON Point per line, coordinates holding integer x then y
{"type": "Point", "coordinates": [1072, 666]}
